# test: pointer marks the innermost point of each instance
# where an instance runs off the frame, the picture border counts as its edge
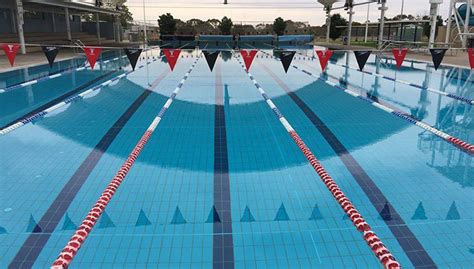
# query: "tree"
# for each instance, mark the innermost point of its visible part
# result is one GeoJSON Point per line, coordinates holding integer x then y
{"type": "Point", "coordinates": [279, 26]}
{"type": "Point", "coordinates": [427, 25]}
{"type": "Point", "coordinates": [226, 26]}
{"type": "Point", "coordinates": [167, 24]}
{"type": "Point", "coordinates": [125, 16]}
{"type": "Point", "coordinates": [337, 20]}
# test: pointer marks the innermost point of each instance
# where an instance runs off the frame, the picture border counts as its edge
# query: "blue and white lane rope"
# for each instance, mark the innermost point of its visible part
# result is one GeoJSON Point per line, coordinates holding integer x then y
{"type": "Point", "coordinates": [83, 66]}
{"type": "Point", "coordinates": [379, 249]}
{"type": "Point", "coordinates": [80, 235]}
{"type": "Point", "coordinates": [67, 101]}
{"type": "Point", "coordinates": [48, 77]}
{"type": "Point", "coordinates": [450, 95]}
{"type": "Point", "coordinates": [453, 140]}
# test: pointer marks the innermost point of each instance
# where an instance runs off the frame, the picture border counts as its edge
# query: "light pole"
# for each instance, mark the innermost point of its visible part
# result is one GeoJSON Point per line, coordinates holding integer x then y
{"type": "Point", "coordinates": [401, 12]}
{"type": "Point", "coordinates": [382, 9]}
{"type": "Point", "coordinates": [367, 24]}
{"type": "Point", "coordinates": [145, 39]}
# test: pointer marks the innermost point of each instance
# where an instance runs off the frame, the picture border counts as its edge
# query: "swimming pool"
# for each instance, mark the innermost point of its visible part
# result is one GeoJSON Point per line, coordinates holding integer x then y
{"type": "Point", "coordinates": [220, 182]}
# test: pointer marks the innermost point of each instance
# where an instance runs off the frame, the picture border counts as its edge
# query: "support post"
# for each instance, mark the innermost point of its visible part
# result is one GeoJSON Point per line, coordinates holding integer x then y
{"type": "Point", "coordinates": [13, 21]}
{"type": "Point", "coordinates": [434, 9]}
{"type": "Point", "coordinates": [448, 27]}
{"type": "Point", "coordinates": [367, 24]}
{"type": "Point", "coordinates": [328, 23]}
{"type": "Point", "coordinates": [53, 18]}
{"type": "Point", "coordinates": [349, 30]}
{"type": "Point", "coordinates": [97, 26]}
{"type": "Point", "coordinates": [19, 22]}
{"type": "Point", "coordinates": [68, 24]}
{"type": "Point", "coordinates": [466, 22]}
{"type": "Point", "coordinates": [382, 9]}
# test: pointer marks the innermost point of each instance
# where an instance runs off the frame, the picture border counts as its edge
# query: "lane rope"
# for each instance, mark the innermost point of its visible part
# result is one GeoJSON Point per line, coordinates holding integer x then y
{"type": "Point", "coordinates": [469, 148]}
{"type": "Point", "coordinates": [66, 71]}
{"type": "Point", "coordinates": [77, 240]}
{"type": "Point", "coordinates": [450, 95]}
{"type": "Point", "coordinates": [372, 240]}
{"type": "Point", "coordinates": [69, 70]}
{"type": "Point", "coordinates": [70, 99]}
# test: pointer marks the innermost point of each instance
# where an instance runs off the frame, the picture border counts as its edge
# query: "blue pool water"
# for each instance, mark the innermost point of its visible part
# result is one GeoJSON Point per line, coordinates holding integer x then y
{"type": "Point", "coordinates": [220, 149]}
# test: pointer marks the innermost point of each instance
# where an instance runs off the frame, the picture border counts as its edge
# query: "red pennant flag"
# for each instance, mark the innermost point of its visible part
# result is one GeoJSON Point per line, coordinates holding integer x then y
{"type": "Point", "coordinates": [324, 57]}
{"type": "Point", "coordinates": [399, 55]}
{"type": "Point", "coordinates": [11, 51]}
{"type": "Point", "coordinates": [92, 55]}
{"type": "Point", "coordinates": [470, 51]}
{"type": "Point", "coordinates": [172, 56]}
{"type": "Point", "coordinates": [248, 56]}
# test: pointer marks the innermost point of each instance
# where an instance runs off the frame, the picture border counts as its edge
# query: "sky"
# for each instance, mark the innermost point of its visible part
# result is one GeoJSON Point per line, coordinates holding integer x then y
{"type": "Point", "coordinates": [266, 10]}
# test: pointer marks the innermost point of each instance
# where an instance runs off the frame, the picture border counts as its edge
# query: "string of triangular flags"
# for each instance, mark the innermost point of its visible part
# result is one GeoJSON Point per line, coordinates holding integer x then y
{"type": "Point", "coordinates": [285, 56]}
{"type": "Point", "coordinates": [92, 54]}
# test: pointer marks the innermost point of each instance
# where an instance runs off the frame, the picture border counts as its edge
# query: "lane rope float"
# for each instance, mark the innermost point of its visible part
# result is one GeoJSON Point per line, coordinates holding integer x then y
{"type": "Point", "coordinates": [379, 249]}
{"type": "Point", "coordinates": [74, 244]}
{"type": "Point", "coordinates": [450, 95]}
{"type": "Point", "coordinates": [81, 67]}
{"type": "Point", "coordinates": [48, 77]}
{"type": "Point", "coordinates": [70, 99]}
{"type": "Point", "coordinates": [453, 140]}
{"type": "Point", "coordinates": [463, 145]}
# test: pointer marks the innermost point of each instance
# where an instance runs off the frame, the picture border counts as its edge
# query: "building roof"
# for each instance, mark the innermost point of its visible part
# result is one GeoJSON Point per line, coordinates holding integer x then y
{"type": "Point", "coordinates": [81, 6]}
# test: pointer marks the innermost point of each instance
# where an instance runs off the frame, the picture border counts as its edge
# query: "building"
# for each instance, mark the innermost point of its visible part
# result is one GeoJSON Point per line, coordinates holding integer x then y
{"type": "Point", "coordinates": [56, 21]}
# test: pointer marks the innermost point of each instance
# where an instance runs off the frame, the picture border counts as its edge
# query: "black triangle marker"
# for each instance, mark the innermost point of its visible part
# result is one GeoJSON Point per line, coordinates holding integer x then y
{"type": "Point", "coordinates": [437, 55]}
{"type": "Point", "coordinates": [133, 55]}
{"type": "Point", "coordinates": [211, 58]}
{"type": "Point", "coordinates": [50, 52]}
{"type": "Point", "coordinates": [286, 57]}
{"type": "Point", "coordinates": [362, 57]}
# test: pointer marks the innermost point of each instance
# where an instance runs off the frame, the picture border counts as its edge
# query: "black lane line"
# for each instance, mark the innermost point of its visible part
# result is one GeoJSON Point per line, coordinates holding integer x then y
{"type": "Point", "coordinates": [31, 248]}
{"type": "Point", "coordinates": [405, 237]}
{"type": "Point", "coordinates": [223, 244]}
{"type": "Point", "coordinates": [57, 99]}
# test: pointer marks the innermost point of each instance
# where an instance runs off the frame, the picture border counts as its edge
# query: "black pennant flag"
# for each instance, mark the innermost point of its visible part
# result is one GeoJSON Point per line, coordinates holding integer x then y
{"type": "Point", "coordinates": [50, 52]}
{"type": "Point", "coordinates": [211, 58]}
{"type": "Point", "coordinates": [133, 55]}
{"type": "Point", "coordinates": [362, 57]}
{"type": "Point", "coordinates": [437, 55]}
{"type": "Point", "coordinates": [286, 57]}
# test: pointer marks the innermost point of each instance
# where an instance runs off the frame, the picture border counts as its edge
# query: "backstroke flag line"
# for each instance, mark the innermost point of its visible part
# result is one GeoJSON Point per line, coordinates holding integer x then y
{"type": "Point", "coordinates": [437, 55]}
{"type": "Point", "coordinates": [92, 55]}
{"type": "Point", "coordinates": [172, 56]}
{"type": "Point", "coordinates": [286, 57]}
{"type": "Point", "coordinates": [399, 55]}
{"type": "Point", "coordinates": [50, 52]}
{"type": "Point", "coordinates": [248, 56]}
{"type": "Point", "coordinates": [133, 55]}
{"type": "Point", "coordinates": [11, 50]}
{"type": "Point", "coordinates": [362, 57]}
{"type": "Point", "coordinates": [324, 56]}
{"type": "Point", "coordinates": [211, 57]}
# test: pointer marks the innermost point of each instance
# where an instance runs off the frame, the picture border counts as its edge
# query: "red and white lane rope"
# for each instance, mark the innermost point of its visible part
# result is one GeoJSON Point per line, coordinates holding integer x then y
{"type": "Point", "coordinates": [378, 248]}
{"type": "Point", "coordinates": [70, 250]}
